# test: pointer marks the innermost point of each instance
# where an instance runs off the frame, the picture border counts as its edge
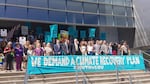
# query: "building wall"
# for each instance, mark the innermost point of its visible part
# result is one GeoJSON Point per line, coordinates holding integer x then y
{"type": "Point", "coordinates": [111, 34]}
{"type": "Point", "coordinates": [116, 13]}
{"type": "Point", "coordinates": [127, 34]}
{"type": "Point", "coordinates": [108, 15]}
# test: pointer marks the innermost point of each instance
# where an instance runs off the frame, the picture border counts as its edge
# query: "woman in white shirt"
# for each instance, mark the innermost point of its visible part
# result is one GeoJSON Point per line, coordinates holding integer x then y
{"type": "Point", "coordinates": [125, 49]}
{"type": "Point", "coordinates": [90, 48]}
{"type": "Point", "coordinates": [83, 48]}
{"type": "Point", "coordinates": [110, 48]}
{"type": "Point", "coordinates": [30, 50]}
{"type": "Point", "coordinates": [48, 50]}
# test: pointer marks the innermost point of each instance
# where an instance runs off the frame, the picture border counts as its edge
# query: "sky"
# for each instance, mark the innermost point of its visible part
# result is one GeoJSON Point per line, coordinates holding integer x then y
{"type": "Point", "coordinates": [143, 9]}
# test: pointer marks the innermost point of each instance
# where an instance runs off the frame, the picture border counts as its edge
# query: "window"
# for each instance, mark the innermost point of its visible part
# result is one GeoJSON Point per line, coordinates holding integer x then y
{"type": "Point", "coordinates": [92, 0]}
{"type": "Point", "coordinates": [57, 16]}
{"type": "Point", "coordinates": [105, 1]}
{"type": "Point", "coordinates": [129, 11]}
{"type": "Point", "coordinates": [18, 2]}
{"type": "Point", "coordinates": [107, 9]}
{"type": "Point", "coordinates": [120, 21]}
{"type": "Point", "coordinates": [106, 20]}
{"type": "Point", "coordinates": [38, 14]}
{"type": "Point", "coordinates": [130, 22]}
{"type": "Point", "coordinates": [38, 3]}
{"type": "Point", "coordinates": [128, 2]}
{"type": "Point", "coordinates": [16, 12]}
{"type": "Point", "coordinates": [90, 19]}
{"type": "Point", "coordinates": [118, 10]}
{"type": "Point", "coordinates": [57, 4]}
{"type": "Point", "coordinates": [74, 18]}
{"type": "Point", "coordinates": [119, 2]}
{"type": "Point", "coordinates": [74, 6]}
{"type": "Point", "coordinates": [2, 8]}
{"type": "Point", "coordinates": [2, 1]}
{"type": "Point", "coordinates": [90, 7]}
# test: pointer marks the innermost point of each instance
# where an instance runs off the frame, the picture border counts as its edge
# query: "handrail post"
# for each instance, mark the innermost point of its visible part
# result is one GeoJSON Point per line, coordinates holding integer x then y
{"type": "Point", "coordinates": [26, 74]}
{"type": "Point", "coordinates": [117, 73]}
{"type": "Point", "coordinates": [76, 74]}
{"type": "Point", "coordinates": [84, 81]}
{"type": "Point", "coordinates": [130, 78]}
{"type": "Point", "coordinates": [26, 78]}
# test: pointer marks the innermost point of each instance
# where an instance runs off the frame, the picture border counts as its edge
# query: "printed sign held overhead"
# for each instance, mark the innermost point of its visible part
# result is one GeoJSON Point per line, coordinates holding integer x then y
{"type": "Point", "coordinates": [24, 30]}
{"type": "Point", "coordinates": [3, 32]}
{"type": "Point", "coordinates": [54, 30]}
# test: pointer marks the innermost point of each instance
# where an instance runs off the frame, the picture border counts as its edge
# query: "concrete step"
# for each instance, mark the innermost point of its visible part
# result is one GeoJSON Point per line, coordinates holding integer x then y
{"type": "Point", "coordinates": [12, 73]}
{"type": "Point", "coordinates": [58, 76]}
{"type": "Point", "coordinates": [4, 73]}
{"type": "Point", "coordinates": [71, 79]}
{"type": "Point", "coordinates": [142, 81]}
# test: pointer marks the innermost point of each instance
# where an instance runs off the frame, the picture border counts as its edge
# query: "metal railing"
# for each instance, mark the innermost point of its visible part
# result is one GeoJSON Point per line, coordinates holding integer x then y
{"type": "Point", "coordinates": [85, 78]}
{"type": "Point", "coordinates": [146, 60]}
{"type": "Point", "coordinates": [147, 64]}
{"type": "Point", "coordinates": [129, 74]}
{"type": "Point", "coordinates": [87, 81]}
{"type": "Point", "coordinates": [117, 72]}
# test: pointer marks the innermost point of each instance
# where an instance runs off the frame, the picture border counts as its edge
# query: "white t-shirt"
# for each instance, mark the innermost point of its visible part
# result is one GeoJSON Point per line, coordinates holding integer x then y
{"type": "Point", "coordinates": [83, 48]}
{"type": "Point", "coordinates": [124, 48]}
{"type": "Point", "coordinates": [104, 48]}
{"type": "Point", "coordinates": [29, 52]}
{"type": "Point", "coordinates": [48, 50]}
{"type": "Point", "coordinates": [76, 47]}
{"type": "Point", "coordinates": [90, 48]}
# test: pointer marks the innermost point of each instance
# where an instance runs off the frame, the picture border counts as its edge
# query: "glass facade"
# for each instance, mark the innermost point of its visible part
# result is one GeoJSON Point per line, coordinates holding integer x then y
{"type": "Point", "coordinates": [116, 13]}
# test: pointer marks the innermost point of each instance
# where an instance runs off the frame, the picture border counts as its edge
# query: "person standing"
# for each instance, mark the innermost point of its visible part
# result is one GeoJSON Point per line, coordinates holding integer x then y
{"type": "Point", "coordinates": [18, 57]}
{"type": "Point", "coordinates": [90, 48]}
{"type": "Point", "coordinates": [110, 48]}
{"type": "Point", "coordinates": [57, 48]}
{"type": "Point", "coordinates": [97, 48]}
{"type": "Point", "coordinates": [8, 56]}
{"type": "Point", "coordinates": [30, 51]}
{"type": "Point", "coordinates": [48, 50]}
{"type": "Point", "coordinates": [25, 49]}
{"type": "Point", "coordinates": [83, 48]}
{"type": "Point", "coordinates": [125, 49]}
{"type": "Point", "coordinates": [3, 44]}
{"type": "Point", "coordinates": [65, 47]}
{"type": "Point", "coordinates": [75, 48]}
{"type": "Point", "coordinates": [104, 48]}
{"type": "Point", "coordinates": [38, 51]}
{"type": "Point", "coordinates": [114, 49]}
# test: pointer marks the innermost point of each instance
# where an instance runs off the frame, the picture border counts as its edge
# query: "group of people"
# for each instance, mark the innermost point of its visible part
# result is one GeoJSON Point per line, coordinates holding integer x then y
{"type": "Point", "coordinates": [18, 52]}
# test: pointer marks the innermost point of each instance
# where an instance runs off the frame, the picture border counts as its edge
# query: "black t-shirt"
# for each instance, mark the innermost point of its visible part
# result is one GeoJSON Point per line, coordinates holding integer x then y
{"type": "Point", "coordinates": [25, 50]}
{"type": "Point", "coordinates": [114, 47]}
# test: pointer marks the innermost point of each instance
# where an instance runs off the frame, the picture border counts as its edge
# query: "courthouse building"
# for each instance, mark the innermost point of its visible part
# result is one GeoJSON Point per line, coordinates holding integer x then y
{"type": "Point", "coordinates": [113, 20]}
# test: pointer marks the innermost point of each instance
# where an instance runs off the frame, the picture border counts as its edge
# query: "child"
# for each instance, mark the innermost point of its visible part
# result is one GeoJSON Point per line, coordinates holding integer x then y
{"type": "Point", "coordinates": [1, 61]}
